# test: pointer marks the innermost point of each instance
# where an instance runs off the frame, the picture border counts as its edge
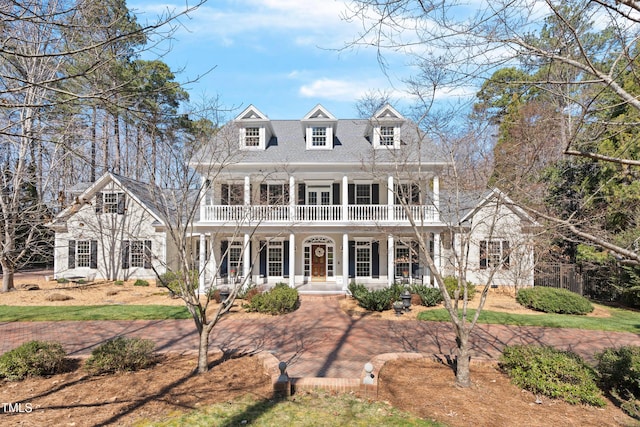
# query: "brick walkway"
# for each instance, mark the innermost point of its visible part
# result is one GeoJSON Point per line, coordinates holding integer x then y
{"type": "Point", "coordinates": [318, 340]}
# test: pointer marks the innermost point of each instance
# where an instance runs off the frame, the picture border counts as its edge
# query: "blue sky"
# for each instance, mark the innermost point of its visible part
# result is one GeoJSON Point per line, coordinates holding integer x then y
{"type": "Point", "coordinates": [280, 55]}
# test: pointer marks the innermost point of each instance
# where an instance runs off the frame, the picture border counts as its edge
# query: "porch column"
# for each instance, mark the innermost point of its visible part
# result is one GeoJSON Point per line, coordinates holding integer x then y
{"type": "Point", "coordinates": [292, 260]}
{"type": "Point", "coordinates": [390, 260]}
{"type": "Point", "coordinates": [246, 260]}
{"type": "Point", "coordinates": [390, 199]}
{"type": "Point", "coordinates": [212, 263]}
{"type": "Point", "coordinates": [292, 198]}
{"type": "Point", "coordinates": [436, 198]}
{"type": "Point", "coordinates": [436, 252]}
{"type": "Point", "coordinates": [247, 190]}
{"type": "Point", "coordinates": [345, 198]}
{"type": "Point", "coordinates": [203, 200]}
{"type": "Point", "coordinates": [202, 276]}
{"type": "Point", "coordinates": [345, 261]}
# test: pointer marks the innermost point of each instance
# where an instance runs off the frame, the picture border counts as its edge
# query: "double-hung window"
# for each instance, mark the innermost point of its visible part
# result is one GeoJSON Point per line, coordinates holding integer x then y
{"type": "Point", "coordinates": [110, 203]}
{"type": "Point", "coordinates": [363, 194]}
{"type": "Point", "coordinates": [232, 194]}
{"type": "Point", "coordinates": [319, 137]}
{"type": "Point", "coordinates": [387, 135]}
{"type": "Point", "coordinates": [494, 254]}
{"type": "Point", "coordinates": [274, 259]}
{"type": "Point", "coordinates": [363, 258]}
{"type": "Point", "coordinates": [252, 137]}
{"type": "Point", "coordinates": [136, 254]}
{"type": "Point", "coordinates": [83, 254]}
{"type": "Point", "coordinates": [235, 259]}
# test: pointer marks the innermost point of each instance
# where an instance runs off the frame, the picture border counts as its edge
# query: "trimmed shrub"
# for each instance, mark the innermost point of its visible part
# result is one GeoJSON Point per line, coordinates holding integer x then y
{"type": "Point", "coordinates": [429, 296]}
{"type": "Point", "coordinates": [280, 299]}
{"type": "Point", "coordinates": [120, 354]}
{"type": "Point", "coordinates": [552, 373]}
{"type": "Point", "coordinates": [451, 283]}
{"type": "Point", "coordinates": [32, 359]}
{"type": "Point", "coordinates": [174, 281]}
{"type": "Point", "coordinates": [373, 299]}
{"type": "Point", "coordinates": [62, 280]}
{"type": "Point", "coordinates": [619, 371]}
{"type": "Point", "coordinates": [248, 292]}
{"type": "Point", "coordinates": [140, 282]}
{"type": "Point", "coordinates": [119, 283]}
{"type": "Point", "coordinates": [552, 300]}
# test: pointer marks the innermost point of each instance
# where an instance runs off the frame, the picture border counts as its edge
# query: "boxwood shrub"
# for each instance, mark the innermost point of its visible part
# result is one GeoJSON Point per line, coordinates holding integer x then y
{"type": "Point", "coordinates": [278, 300]}
{"type": "Point", "coordinates": [120, 354]}
{"type": "Point", "coordinates": [32, 359]}
{"type": "Point", "coordinates": [429, 296]}
{"type": "Point", "coordinates": [552, 300]}
{"type": "Point", "coordinates": [619, 372]}
{"type": "Point", "coordinates": [451, 283]}
{"type": "Point", "coordinates": [553, 373]}
{"type": "Point", "coordinates": [373, 299]}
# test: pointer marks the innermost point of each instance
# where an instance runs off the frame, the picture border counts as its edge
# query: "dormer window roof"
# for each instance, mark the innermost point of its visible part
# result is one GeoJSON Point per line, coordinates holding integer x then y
{"type": "Point", "coordinates": [254, 129]}
{"type": "Point", "coordinates": [384, 128]}
{"type": "Point", "coordinates": [319, 127]}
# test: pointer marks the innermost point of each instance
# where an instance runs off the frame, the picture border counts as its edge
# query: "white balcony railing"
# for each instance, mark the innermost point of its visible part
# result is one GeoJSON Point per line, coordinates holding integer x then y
{"type": "Point", "coordinates": [315, 214]}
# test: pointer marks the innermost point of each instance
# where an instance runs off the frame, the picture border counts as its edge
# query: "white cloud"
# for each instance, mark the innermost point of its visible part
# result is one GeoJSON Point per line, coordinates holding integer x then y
{"type": "Point", "coordinates": [345, 90]}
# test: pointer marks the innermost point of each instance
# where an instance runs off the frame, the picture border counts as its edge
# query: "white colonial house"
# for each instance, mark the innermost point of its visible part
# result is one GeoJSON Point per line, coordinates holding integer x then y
{"type": "Point", "coordinates": [316, 202]}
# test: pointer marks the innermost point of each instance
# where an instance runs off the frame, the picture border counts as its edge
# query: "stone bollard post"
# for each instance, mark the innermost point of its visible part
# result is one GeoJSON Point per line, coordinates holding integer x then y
{"type": "Point", "coordinates": [282, 387]}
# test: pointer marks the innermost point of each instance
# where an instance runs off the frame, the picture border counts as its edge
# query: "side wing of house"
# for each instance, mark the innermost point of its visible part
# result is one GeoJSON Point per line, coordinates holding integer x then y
{"type": "Point", "coordinates": [108, 234]}
{"type": "Point", "coordinates": [500, 244]}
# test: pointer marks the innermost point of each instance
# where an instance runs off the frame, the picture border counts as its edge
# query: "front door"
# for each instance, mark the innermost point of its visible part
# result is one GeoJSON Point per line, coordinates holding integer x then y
{"type": "Point", "coordinates": [318, 263]}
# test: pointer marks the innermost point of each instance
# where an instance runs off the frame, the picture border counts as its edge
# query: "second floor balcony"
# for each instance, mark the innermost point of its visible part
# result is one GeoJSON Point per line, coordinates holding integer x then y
{"type": "Point", "coordinates": [319, 214]}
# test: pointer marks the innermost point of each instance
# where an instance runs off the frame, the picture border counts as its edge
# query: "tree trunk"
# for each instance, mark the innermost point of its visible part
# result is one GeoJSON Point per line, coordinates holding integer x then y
{"type": "Point", "coordinates": [203, 350]}
{"type": "Point", "coordinates": [463, 376]}
{"type": "Point", "coordinates": [7, 278]}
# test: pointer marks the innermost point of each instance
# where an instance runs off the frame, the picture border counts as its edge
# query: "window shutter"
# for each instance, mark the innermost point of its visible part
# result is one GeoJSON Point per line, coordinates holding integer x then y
{"type": "Point", "coordinates": [415, 258]}
{"type": "Point", "coordinates": [375, 261]}
{"type": "Point", "coordinates": [336, 193]}
{"type": "Point", "coordinates": [224, 194]}
{"type": "Point", "coordinates": [224, 268]}
{"type": "Point", "coordinates": [125, 254]}
{"type": "Point", "coordinates": [352, 258]}
{"type": "Point", "coordinates": [93, 262]}
{"type": "Point", "coordinates": [264, 194]}
{"type": "Point", "coordinates": [121, 203]}
{"type": "Point", "coordinates": [147, 254]}
{"type": "Point", "coordinates": [263, 258]}
{"type": "Point", "coordinates": [505, 254]}
{"type": "Point", "coordinates": [302, 192]}
{"type": "Point", "coordinates": [285, 259]}
{"type": "Point", "coordinates": [98, 203]}
{"type": "Point", "coordinates": [415, 194]}
{"type": "Point", "coordinates": [375, 194]}
{"type": "Point", "coordinates": [351, 197]}
{"type": "Point", "coordinates": [285, 193]}
{"type": "Point", "coordinates": [483, 254]}
{"type": "Point", "coordinates": [72, 254]}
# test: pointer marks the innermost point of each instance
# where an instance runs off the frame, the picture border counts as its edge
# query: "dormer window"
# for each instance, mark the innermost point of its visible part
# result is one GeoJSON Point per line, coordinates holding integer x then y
{"type": "Point", "coordinates": [385, 126]}
{"type": "Point", "coordinates": [387, 135]}
{"type": "Point", "coordinates": [254, 129]}
{"type": "Point", "coordinates": [319, 128]}
{"type": "Point", "coordinates": [252, 137]}
{"type": "Point", "coordinates": [319, 136]}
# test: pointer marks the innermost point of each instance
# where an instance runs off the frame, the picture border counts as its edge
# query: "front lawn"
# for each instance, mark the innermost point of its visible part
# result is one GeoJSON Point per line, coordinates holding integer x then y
{"type": "Point", "coordinates": [91, 312]}
{"type": "Point", "coordinates": [620, 320]}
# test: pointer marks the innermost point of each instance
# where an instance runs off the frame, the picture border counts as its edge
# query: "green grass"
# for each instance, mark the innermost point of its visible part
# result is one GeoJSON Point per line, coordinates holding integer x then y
{"type": "Point", "coordinates": [620, 320]}
{"type": "Point", "coordinates": [298, 410]}
{"type": "Point", "coordinates": [88, 312]}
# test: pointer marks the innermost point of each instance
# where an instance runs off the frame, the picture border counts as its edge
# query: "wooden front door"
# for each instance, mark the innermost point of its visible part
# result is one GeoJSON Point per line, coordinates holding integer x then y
{"type": "Point", "coordinates": [318, 263]}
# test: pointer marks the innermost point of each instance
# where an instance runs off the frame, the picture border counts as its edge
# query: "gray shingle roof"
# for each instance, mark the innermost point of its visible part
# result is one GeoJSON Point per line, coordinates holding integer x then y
{"type": "Point", "coordinates": [351, 145]}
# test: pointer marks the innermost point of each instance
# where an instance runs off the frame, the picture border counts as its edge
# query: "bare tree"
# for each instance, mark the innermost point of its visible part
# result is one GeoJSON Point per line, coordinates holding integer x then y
{"type": "Point", "coordinates": [588, 49]}
{"type": "Point", "coordinates": [48, 51]}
